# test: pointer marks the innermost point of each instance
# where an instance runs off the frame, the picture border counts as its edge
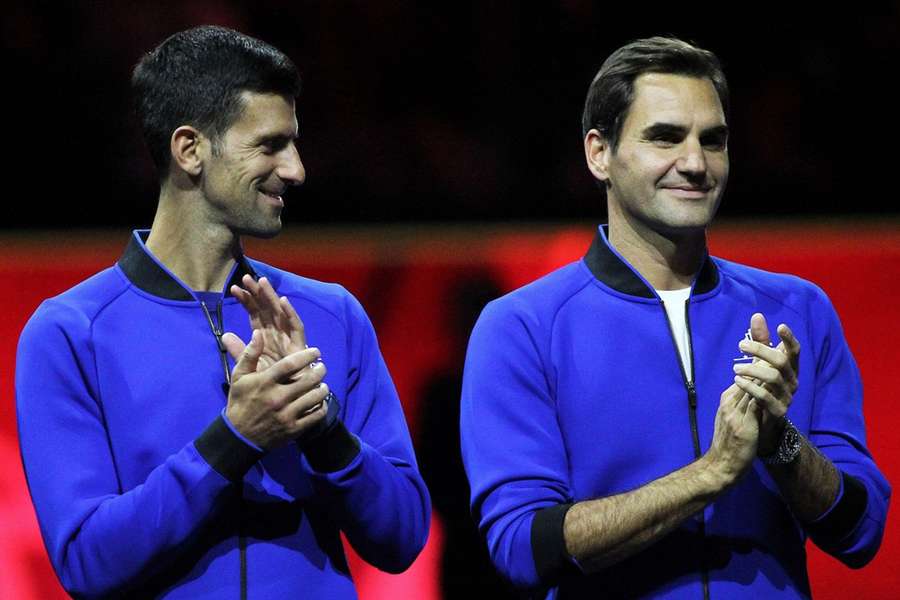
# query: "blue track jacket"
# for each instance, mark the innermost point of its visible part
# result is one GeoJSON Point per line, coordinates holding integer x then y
{"type": "Point", "coordinates": [141, 487]}
{"type": "Point", "coordinates": [574, 390]}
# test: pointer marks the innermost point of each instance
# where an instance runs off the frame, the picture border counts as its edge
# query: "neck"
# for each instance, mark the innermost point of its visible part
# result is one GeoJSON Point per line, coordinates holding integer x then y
{"type": "Point", "coordinates": [197, 251]}
{"type": "Point", "coordinates": [668, 261]}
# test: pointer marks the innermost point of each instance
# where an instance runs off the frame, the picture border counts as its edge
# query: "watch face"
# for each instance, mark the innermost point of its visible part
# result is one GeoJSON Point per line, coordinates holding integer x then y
{"type": "Point", "coordinates": [789, 448]}
{"type": "Point", "coordinates": [793, 441]}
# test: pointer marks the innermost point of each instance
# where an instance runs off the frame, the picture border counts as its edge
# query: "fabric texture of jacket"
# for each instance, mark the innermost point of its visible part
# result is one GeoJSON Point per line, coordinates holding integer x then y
{"type": "Point", "coordinates": [573, 390]}
{"type": "Point", "coordinates": [142, 487]}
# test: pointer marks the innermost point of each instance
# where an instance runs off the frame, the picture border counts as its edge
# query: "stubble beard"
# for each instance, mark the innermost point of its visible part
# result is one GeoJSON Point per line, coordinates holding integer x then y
{"type": "Point", "coordinates": [254, 221]}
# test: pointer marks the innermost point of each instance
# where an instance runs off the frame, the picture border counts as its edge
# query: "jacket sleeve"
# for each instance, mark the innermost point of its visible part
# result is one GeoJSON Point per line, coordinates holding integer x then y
{"type": "Point", "coordinates": [365, 469]}
{"type": "Point", "coordinates": [852, 529]}
{"type": "Point", "coordinates": [512, 446]}
{"type": "Point", "coordinates": [100, 538]}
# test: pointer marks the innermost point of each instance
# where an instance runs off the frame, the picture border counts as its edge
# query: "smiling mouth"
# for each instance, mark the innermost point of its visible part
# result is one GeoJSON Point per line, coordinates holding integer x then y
{"type": "Point", "coordinates": [689, 192]}
{"type": "Point", "coordinates": [276, 196]}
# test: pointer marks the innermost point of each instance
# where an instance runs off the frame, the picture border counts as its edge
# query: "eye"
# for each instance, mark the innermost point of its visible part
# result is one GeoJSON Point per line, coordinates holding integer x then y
{"type": "Point", "coordinates": [665, 140]}
{"type": "Point", "coordinates": [715, 143]}
{"type": "Point", "coordinates": [274, 145]}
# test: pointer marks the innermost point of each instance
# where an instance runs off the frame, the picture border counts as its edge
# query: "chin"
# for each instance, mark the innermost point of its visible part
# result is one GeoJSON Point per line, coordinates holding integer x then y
{"type": "Point", "coordinates": [261, 230]}
{"type": "Point", "coordinates": [690, 218]}
{"type": "Point", "coordinates": [683, 225]}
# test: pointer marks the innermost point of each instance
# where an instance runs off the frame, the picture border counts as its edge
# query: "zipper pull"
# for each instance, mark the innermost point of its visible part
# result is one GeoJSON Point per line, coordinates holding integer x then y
{"type": "Point", "coordinates": [218, 333]}
{"type": "Point", "coordinates": [692, 395]}
{"type": "Point", "coordinates": [220, 319]}
{"type": "Point", "coordinates": [220, 344]}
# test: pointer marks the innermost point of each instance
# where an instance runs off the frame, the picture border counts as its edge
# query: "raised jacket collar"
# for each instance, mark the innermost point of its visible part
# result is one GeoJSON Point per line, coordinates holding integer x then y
{"type": "Point", "coordinates": [609, 267]}
{"type": "Point", "coordinates": [148, 274]}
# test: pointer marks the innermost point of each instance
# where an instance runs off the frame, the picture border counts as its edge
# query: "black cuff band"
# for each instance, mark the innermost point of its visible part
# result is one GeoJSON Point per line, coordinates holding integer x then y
{"type": "Point", "coordinates": [844, 517]}
{"type": "Point", "coordinates": [226, 452]}
{"type": "Point", "coordinates": [548, 543]}
{"type": "Point", "coordinates": [332, 450]}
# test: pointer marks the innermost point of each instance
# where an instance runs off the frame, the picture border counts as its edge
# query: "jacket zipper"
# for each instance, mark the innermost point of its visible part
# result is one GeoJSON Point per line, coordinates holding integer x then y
{"type": "Point", "coordinates": [217, 328]}
{"type": "Point", "coordinates": [692, 413]}
{"type": "Point", "coordinates": [218, 332]}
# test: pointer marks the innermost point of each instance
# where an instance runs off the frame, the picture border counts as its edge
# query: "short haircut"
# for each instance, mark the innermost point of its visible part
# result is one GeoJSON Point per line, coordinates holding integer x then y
{"type": "Point", "coordinates": [196, 78]}
{"type": "Point", "coordinates": [611, 93]}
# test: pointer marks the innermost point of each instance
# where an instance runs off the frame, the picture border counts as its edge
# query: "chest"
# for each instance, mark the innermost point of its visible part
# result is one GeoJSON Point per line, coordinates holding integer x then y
{"type": "Point", "coordinates": [161, 381]}
{"type": "Point", "coordinates": [628, 412]}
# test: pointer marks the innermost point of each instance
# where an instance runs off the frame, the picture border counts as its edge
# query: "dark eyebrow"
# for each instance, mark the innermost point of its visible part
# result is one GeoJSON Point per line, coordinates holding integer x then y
{"type": "Point", "coordinates": [278, 140]}
{"type": "Point", "coordinates": [720, 131]}
{"type": "Point", "coordinates": [664, 129]}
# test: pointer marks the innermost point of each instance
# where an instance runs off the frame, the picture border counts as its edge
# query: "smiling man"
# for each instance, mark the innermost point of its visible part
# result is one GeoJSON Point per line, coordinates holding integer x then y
{"type": "Point", "coordinates": [625, 420]}
{"type": "Point", "coordinates": [158, 465]}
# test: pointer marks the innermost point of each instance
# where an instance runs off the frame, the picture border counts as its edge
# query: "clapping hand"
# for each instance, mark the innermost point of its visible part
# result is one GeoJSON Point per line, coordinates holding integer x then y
{"type": "Point", "coordinates": [277, 392]}
{"type": "Point", "coordinates": [771, 379]}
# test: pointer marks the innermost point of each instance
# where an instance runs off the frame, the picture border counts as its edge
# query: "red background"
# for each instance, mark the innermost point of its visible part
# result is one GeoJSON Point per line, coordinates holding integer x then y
{"type": "Point", "coordinates": [403, 277]}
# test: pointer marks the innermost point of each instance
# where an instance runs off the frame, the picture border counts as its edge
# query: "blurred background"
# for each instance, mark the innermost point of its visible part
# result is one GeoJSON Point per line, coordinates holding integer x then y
{"type": "Point", "coordinates": [443, 150]}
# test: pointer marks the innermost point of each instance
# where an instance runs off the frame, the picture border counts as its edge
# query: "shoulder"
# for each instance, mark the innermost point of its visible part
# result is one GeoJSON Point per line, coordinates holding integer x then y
{"type": "Point", "coordinates": [331, 298]}
{"type": "Point", "coordinates": [72, 313]}
{"type": "Point", "coordinates": [82, 303]}
{"type": "Point", "coordinates": [793, 292]}
{"type": "Point", "coordinates": [538, 302]}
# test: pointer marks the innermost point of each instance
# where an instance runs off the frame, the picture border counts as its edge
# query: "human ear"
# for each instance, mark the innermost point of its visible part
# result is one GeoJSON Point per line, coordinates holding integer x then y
{"type": "Point", "coordinates": [597, 152]}
{"type": "Point", "coordinates": [185, 146]}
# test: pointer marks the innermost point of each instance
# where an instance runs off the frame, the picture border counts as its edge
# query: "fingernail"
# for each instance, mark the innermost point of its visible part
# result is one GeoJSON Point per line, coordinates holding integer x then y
{"type": "Point", "coordinates": [738, 368]}
{"type": "Point", "coordinates": [744, 345]}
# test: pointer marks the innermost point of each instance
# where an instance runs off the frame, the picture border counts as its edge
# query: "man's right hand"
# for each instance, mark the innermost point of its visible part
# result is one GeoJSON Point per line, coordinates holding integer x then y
{"type": "Point", "coordinates": [736, 435]}
{"type": "Point", "coordinates": [601, 532]}
{"type": "Point", "coordinates": [276, 405]}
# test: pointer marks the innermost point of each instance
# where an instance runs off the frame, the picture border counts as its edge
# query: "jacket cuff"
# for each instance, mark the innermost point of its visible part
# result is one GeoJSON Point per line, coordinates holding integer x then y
{"type": "Point", "coordinates": [548, 542]}
{"type": "Point", "coordinates": [332, 450]}
{"type": "Point", "coordinates": [238, 433]}
{"type": "Point", "coordinates": [225, 452]}
{"type": "Point", "coordinates": [843, 517]}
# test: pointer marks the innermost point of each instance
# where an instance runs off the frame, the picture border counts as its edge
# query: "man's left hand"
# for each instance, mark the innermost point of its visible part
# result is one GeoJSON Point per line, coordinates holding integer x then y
{"type": "Point", "coordinates": [771, 378]}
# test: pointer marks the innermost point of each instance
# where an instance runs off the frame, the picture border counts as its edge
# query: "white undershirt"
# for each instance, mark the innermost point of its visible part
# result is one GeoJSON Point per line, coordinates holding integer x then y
{"type": "Point", "coordinates": [674, 301]}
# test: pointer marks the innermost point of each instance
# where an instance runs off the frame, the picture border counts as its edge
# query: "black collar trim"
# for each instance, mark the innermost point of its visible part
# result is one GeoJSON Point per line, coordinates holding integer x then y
{"type": "Point", "coordinates": [147, 274]}
{"type": "Point", "coordinates": [611, 269]}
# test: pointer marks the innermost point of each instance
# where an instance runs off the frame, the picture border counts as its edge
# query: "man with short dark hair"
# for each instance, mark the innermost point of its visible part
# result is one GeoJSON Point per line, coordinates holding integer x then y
{"type": "Point", "coordinates": [624, 419]}
{"type": "Point", "coordinates": [158, 466]}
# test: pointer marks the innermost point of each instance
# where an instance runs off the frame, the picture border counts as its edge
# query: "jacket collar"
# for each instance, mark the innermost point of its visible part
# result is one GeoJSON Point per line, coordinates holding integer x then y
{"type": "Point", "coordinates": [146, 273]}
{"type": "Point", "coordinates": [610, 268]}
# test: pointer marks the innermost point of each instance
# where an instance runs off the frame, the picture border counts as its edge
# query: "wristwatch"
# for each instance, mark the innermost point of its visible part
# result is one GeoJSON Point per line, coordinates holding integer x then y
{"type": "Point", "coordinates": [788, 448]}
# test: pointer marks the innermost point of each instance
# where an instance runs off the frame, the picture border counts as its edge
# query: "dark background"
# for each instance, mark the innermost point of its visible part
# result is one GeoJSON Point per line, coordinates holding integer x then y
{"type": "Point", "coordinates": [455, 111]}
{"type": "Point", "coordinates": [461, 116]}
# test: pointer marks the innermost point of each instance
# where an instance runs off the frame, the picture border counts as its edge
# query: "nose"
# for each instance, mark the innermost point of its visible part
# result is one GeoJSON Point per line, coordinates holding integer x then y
{"type": "Point", "coordinates": [692, 161]}
{"type": "Point", "coordinates": [290, 169]}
